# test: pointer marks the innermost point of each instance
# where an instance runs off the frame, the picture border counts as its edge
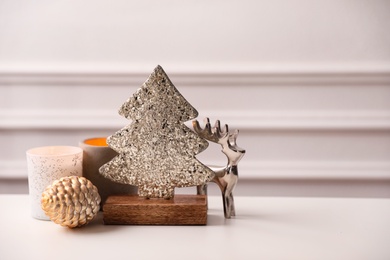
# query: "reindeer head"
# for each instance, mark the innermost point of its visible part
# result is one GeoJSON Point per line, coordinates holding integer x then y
{"type": "Point", "coordinates": [223, 137]}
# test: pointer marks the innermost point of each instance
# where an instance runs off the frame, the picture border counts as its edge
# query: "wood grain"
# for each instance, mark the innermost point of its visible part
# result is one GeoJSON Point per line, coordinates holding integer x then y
{"type": "Point", "coordinates": [135, 210]}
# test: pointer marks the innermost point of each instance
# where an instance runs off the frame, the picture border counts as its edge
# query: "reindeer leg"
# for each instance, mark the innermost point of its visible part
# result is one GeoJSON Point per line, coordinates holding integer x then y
{"type": "Point", "coordinates": [227, 205]}
{"type": "Point", "coordinates": [229, 202]}
{"type": "Point", "coordinates": [231, 179]}
{"type": "Point", "coordinates": [201, 189]}
{"type": "Point", "coordinates": [232, 207]}
{"type": "Point", "coordinates": [223, 187]}
{"type": "Point", "coordinates": [225, 200]}
{"type": "Point", "coordinates": [227, 209]}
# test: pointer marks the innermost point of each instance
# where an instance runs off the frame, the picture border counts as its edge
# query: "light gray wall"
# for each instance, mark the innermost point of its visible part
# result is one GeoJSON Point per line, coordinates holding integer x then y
{"type": "Point", "coordinates": [306, 82]}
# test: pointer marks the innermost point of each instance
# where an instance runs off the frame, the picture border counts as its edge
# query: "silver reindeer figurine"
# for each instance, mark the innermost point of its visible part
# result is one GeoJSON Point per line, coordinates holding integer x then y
{"type": "Point", "coordinates": [226, 177]}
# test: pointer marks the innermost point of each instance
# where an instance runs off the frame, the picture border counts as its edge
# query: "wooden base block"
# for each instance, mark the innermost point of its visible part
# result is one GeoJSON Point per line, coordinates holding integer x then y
{"type": "Point", "coordinates": [135, 210]}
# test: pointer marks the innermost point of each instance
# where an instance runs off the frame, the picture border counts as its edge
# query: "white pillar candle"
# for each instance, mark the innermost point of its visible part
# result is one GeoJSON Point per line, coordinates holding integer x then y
{"type": "Point", "coordinates": [47, 164]}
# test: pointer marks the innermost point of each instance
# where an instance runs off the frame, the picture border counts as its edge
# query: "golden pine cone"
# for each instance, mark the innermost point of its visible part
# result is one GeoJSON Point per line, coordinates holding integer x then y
{"type": "Point", "coordinates": [71, 201]}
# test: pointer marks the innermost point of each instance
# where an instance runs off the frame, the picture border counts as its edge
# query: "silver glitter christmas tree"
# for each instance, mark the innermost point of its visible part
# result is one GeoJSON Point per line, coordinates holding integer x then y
{"type": "Point", "coordinates": [157, 150]}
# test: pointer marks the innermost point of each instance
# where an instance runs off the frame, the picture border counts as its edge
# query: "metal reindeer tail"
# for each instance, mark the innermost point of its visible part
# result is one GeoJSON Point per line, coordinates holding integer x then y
{"type": "Point", "coordinates": [226, 176]}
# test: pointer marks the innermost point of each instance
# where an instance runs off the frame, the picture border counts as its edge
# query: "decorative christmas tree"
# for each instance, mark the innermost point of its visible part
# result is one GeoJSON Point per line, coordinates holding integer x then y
{"type": "Point", "coordinates": [157, 150]}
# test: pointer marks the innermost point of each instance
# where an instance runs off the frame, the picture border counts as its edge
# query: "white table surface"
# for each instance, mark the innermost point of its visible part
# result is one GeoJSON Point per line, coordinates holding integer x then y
{"type": "Point", "coordinates": [265, 228]}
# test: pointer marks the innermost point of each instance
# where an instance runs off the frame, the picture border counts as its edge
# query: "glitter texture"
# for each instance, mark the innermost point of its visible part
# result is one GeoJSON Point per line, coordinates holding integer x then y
{"type": "Point", "coordinates": [71, 201]}
{"type": "Point", "coordinates": [157, 150]}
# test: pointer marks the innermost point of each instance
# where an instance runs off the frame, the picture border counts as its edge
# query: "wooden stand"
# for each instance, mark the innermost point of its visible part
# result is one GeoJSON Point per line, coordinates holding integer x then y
{"type": "Point", "coordinates": [135, 210]}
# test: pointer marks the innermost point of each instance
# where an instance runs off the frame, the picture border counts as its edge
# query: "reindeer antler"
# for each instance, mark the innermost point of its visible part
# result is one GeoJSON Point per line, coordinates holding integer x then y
{"type": "Point", "coordinates": [216, 135]}
{"type": "Point", "coordinates": [213, 134]}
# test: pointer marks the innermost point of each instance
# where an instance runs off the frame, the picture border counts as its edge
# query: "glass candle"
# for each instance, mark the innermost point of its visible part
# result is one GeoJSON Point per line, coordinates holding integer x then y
{"type": "Point", "coordinates": [47, 164]}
